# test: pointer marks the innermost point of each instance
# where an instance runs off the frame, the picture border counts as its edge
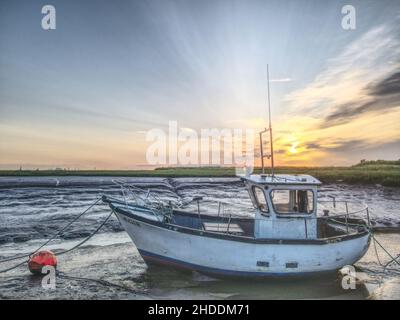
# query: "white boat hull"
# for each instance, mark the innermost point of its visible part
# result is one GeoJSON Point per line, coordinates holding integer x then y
{"type": "Point", "coordinates": [240, 258]}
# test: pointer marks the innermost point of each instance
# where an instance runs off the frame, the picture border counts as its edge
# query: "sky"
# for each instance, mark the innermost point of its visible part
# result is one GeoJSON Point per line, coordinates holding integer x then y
{"type": "Point", "coordinates": [85, 94]}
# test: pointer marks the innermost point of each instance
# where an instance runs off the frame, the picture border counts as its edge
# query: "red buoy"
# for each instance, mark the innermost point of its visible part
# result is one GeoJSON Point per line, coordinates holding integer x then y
{"type": "Point", "coordinates": [40, 259]}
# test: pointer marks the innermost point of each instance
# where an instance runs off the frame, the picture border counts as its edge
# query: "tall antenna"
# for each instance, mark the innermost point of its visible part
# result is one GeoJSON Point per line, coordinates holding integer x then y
{"type": "Point", "coordinates": [270, 134]}
{"type": "Point", "coordinates": [270, 126]}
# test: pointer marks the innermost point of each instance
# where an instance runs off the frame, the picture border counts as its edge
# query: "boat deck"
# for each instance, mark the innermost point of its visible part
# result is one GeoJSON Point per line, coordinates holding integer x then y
{"type": "Point", "coordinates": [245, 226]}
{"type": "Point", "coordinates": [234, 225]}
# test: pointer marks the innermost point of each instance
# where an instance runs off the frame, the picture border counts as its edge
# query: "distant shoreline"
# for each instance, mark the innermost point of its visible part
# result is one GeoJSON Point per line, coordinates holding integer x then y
{"type": "Point", "coordinates": [386, 173]}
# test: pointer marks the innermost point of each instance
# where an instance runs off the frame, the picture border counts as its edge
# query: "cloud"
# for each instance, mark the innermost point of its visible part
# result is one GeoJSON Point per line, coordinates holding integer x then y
{"type": "Point", "coordinates": [382, 95]}
{"type": "Point", "coordinates": [281, 80]}
{"type": "Point", "coordinates": [388, 86]}
{"type": "Point", "coordinates": [313, 145]}
{"type": "Point", "coordinates": [360, 79]}
{"type": "Point", "coordinates": [337, 145]}
{"type": "Point", "coordinates": [347, 145]}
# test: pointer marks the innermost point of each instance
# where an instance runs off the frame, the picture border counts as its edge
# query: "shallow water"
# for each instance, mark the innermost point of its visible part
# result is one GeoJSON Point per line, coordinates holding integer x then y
{"type": "Point", "coordinates": [32, 209]}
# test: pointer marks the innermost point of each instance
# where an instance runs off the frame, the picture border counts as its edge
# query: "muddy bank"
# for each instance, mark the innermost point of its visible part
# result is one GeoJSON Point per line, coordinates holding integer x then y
{"type": "Point", "coordinates": [390, 290]}
{"type": "Point", "coordinates": [380, 282]}
{"type": "Point", "coordinates": [91, 272]}
{"type": "Point", "coordinates": [32, 209]}
{"type": "Point", "coordinates": [124, 275]}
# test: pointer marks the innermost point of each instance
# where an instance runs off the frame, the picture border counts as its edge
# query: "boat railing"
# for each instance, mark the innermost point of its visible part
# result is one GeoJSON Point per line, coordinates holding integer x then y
{"type": "Point", "coordinates": [150, 201]}
{"type": "Point", "coordinates": [342, 210]}
{"type": "Point", "coordinates": [339, 212]}
{"type": "Point", "coordinates": [222, 207]}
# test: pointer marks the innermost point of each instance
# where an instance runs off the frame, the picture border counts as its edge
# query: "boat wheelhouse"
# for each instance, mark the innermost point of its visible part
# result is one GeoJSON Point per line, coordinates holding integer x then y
{"type": "Point", "coordinates": [287, 205]}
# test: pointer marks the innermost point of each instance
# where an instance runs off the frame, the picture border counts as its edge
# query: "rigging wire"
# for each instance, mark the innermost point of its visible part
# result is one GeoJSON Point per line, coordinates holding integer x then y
{"type": "Point", "coordinates": [393, 259]}
{"type": "Point", "coordinates": [100, 281]}
{"type": "Point", "coordinates": [53, 236]}
{"type": "Point", "coordinates": [65, 251]}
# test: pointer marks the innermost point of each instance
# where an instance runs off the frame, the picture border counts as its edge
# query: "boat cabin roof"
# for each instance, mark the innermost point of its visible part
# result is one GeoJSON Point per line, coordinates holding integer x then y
{"type": "Point", "coordinates": [281, 179]}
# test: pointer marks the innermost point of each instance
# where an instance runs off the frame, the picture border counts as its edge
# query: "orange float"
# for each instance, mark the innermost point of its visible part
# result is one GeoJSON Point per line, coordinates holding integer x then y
{"type": "Point", "coordinates": [40, 259]}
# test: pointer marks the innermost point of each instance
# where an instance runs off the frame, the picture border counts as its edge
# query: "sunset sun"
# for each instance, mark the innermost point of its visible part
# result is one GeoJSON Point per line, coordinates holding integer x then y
{"type": "Point", "coordinates": [293, 148]}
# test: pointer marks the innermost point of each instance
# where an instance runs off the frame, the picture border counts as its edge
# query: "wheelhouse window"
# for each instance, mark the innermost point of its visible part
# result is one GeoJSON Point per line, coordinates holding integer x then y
{"type": "Point", "coordinates": [261, 201]}
{"type": "Point", "coordinates": [293, 201]}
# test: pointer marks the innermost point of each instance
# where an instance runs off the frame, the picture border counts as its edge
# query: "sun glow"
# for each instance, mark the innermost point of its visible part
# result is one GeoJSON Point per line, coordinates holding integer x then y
{"type": "Point", "coordinates": [293, 149]}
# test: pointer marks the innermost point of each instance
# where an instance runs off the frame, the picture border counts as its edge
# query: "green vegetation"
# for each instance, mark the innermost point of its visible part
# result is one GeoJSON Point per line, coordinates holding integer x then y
{"type": "Point", "coordinates": [382, 172]}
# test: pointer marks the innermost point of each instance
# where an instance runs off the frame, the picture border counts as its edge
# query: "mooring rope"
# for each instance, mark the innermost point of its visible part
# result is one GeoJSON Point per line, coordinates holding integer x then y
{"type": "Point", "coordinates": [393, 259]}
{"type": "Point", "coordinates": [65, 251]}
{"type": "Point", "coordinates": [376, 251]}
{"type": "Point", "coordinates": [14, 267]}
{"type": "Point", "coordinates": [65, 276]}
{"type": "Point", "coordinates": [100, 281]}
{"type": "Point", "coordinates": [87, 238]}
{"type": "Point", "coordinates": [384, 266]}
{"type": "Point", "coordinates": [53, 236]}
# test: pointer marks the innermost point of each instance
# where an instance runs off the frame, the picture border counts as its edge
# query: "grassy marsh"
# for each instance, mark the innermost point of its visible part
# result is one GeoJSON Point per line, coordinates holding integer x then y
{"type": "Point", "coordinates": [382, 172]}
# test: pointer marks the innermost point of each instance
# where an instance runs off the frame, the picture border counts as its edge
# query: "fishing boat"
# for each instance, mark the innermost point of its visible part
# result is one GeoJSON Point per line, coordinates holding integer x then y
{"type": "Point", "coordinates": [286, 237]}
{"type": "Point", "coordinates": [289, 232]}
